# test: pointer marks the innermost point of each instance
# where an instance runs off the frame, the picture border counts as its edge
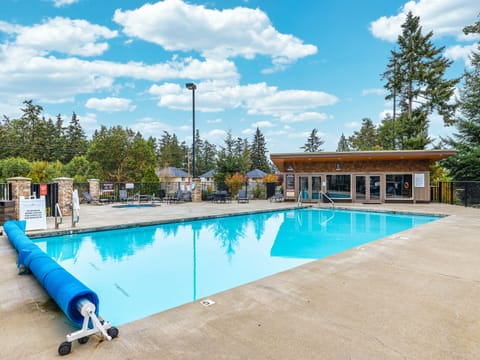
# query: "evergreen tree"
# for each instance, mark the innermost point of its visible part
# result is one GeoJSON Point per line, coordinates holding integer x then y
{"type": "Point", "coordinates": [173, 153]}
{"type": "Point", "coordinates": [232, 158]}
{"type": "Point", "coordinates": [313, 142]}
{"type": "Point", "coordinates": [366, 138]}
{"type": "Point", "coordinates": [258, 153]}
{"type": "Point", "coordinates": [465, 165]}
{"type": "Point", "coordinates": [415, 74]}
{"type": "Point", "coordinates": [76, 142]}
{"type": "Point", "coordinates": [386, 134]}
{"type": "Point", "coordinates": [343, 144]}
{"type": "Point", "coordinates": [206, 155]}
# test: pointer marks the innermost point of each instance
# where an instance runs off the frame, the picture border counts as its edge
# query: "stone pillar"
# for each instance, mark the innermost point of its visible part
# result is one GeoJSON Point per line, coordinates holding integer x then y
{"type": "Point", "coordinates": [65, 194]}
{"type": "Point", "coordinates": [21, 186]}
{"type": "Point", "coordinates": [94, 188]}
{"type": "Point", "coordinates": [197, 192]}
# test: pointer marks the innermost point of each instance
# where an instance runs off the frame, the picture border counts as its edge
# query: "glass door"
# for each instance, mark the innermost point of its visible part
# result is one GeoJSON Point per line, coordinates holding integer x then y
{"type": "Point", "coordinates": [316, 187]}
{"type": "Point", "coordinates": [375, 187]}
{"type": "Point", "coordinates": [360, 188]}
{"type": "Point", "coordinates": [304, 188]}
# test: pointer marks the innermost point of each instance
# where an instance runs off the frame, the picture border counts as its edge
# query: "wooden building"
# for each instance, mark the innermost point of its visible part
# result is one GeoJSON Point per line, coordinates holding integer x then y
{"type": "Point", "coordinates": [360, 176]}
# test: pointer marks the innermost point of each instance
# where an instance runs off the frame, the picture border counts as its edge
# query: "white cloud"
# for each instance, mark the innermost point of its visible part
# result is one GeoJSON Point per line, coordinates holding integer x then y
{"type": "Point", "coordinates": [461, 52]}
{"type": "Point", "coordinates": [214, 121]}
{"type": "Point", "coordinates": [375, 91]}
{"type": "Point", "coordinates": [288, 101]}
{"type": "Point", "coordinates": [149, 126]}
{"type": "Point", "coordinates": [258, 99]}
{"type": "Point", "coordinates": [248, 131]}
{"type": "Point", "coordinates": [74, 37]}
{"type": "Point", "coordinates": [213, 33]}
{"type": "Point", "coordinates": [110, 104]}
{"type": "Point", "coordinates": [301, 117]}
{"type": "Point", "coordinates": [444, 17]}
{"type": "Point", "coordinates": [353, 125]}
{"type": "Point", "coordinates": [60, 3]}
{"type": "Point", "coordinates": [263, 124]}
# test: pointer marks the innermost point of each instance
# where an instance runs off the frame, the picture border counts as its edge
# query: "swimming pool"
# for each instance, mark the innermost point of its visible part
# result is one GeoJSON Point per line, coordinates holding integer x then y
{"type": "Point", "coordinates": [140, 271]}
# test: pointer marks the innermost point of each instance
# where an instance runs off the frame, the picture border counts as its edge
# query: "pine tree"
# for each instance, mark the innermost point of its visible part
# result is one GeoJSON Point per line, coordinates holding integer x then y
{"type": "Point", "coordinates": [313, 142]}
{"type": "Point", "coordinates": [366, 138]}
{"type": "Point", "coordinates": [343, 144]}
{"type": "Point", "coordinates": [76, 142]}
{"type": "Point", "coordinates": [206, 155]}
{"type": "Point", "coordinates": [258, 153]}
{"type": "Point", "coordinates": [415, 74]}
{"type": "Point", "coordinates": [465, 165]}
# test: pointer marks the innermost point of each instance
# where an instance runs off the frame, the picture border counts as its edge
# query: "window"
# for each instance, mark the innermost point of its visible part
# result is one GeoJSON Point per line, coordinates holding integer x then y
{"type": "Point", "coordinates": [290, 182]}
{"type": "Point", "coordinates": [338, 186]}
{"type": "Point", "coordinates": [398, 186]}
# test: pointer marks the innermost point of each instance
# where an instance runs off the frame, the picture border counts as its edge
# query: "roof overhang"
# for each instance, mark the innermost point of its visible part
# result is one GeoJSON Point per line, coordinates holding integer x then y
{"type": "Point", "coordinates": [281, 160]}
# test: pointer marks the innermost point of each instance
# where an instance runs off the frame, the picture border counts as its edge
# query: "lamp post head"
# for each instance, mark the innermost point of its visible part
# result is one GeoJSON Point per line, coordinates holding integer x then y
{"type": "Point", "coordinates": [191, 86]}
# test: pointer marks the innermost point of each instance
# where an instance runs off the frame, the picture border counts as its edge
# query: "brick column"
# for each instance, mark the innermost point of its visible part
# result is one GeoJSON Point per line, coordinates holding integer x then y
{"type": "Point", "coordinates": [21, 186]}
{"type": "Point", "coordinates": [197, 192]}
{"type": "Point", "coordinates": [65, 194]}
{"type": "Point", "coordinates": [94, 188]}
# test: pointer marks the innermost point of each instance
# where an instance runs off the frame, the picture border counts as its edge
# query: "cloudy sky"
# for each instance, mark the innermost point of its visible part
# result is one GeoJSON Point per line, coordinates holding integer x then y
{"type": "Point", "coordinates": [285, 66]}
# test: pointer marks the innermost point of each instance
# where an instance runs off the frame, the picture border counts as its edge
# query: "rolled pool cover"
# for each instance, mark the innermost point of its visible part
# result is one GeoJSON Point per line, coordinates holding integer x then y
{"type": "Point", "coordinates": [62, 286]}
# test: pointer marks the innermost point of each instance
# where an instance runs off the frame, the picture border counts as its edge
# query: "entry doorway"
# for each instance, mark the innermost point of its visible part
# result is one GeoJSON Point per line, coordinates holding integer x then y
{"type": "Point", "coordinates": [372, 183]}
{"type": "Point", "coordinates": [360, 188]}
{"type": "Point", "coordinates": [304, 188]}
{"type": "Point", "coordinates": [375, 188]}
{"type": "Point", "coordinates": [310, 188]}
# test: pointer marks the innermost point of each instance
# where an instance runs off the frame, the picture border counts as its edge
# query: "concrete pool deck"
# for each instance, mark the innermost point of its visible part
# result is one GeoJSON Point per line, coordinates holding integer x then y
{"type": "Point", "coordinates": [412, 295]}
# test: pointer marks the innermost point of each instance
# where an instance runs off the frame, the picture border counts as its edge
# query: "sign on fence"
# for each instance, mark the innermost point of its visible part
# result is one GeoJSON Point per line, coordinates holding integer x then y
{"type": "Point", "coordinates": [34, 212]}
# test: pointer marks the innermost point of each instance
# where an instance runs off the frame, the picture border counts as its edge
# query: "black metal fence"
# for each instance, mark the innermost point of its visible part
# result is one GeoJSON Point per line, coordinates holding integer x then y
{"type": "Point", "coordinates": [112, 191]}
{"type": "Point", "coordinates": [50, 191]}
{"type": "Point", "coordinates": [5, 191]}
{"type": "Point", "coordinates": [466, 193]}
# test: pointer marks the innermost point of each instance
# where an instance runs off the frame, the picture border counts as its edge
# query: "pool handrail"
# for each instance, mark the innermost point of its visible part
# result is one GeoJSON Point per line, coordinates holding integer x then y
{"type": "Point", "coordinates": [327, 197]}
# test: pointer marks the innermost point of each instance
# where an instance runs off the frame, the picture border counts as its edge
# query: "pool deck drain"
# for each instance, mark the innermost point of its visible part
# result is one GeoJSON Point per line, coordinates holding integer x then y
{"type": "Point", "coordinates": [411, 296]}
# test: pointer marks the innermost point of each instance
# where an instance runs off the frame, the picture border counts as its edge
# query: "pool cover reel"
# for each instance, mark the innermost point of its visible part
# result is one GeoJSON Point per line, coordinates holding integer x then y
{"type": "Point", "coordinates": [77, 301]}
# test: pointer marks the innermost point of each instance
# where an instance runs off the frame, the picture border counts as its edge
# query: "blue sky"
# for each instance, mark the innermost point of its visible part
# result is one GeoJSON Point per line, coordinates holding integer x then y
{"type": "Point", "coordinates": [286, 66]}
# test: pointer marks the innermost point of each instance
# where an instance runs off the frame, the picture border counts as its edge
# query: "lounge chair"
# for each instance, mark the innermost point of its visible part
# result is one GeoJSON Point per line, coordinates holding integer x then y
{"type": "Point", "coordinates": [278, 197]}
{"type": "Point", "coordinates": [187, 196]}
{"type": "Point", "coordinates": [242, 196]}
{"type": "Point", "coordinates": [87, 197]}
{"type": "Point", "coordinates": [177, 197]}
{"type": "Point", "coordinates": [123, 196]}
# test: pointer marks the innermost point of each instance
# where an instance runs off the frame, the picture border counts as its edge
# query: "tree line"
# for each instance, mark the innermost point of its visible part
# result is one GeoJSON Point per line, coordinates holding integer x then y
{"type": "Point", "coordinates": [43, 149]}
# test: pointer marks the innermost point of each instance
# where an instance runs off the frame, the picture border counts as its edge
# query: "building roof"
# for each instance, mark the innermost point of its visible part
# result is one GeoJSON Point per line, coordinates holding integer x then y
{"type": "Point", "coordinates": [171, 172]}
{"type": "Point", "coordinates": [208, 174]}
{"type": "Point", "coordinates": [281, 160]}
{"type": "Point", "coordinates": [256, 174]}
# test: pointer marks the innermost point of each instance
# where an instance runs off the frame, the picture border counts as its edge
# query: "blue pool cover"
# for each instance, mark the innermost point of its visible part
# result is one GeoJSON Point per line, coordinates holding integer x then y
{"type": "Point", "coordinates": [63, 287]}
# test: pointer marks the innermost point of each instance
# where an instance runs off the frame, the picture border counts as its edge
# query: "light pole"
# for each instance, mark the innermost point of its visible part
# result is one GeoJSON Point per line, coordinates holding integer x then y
{"type": "Point", "coordinates": [193, 87]}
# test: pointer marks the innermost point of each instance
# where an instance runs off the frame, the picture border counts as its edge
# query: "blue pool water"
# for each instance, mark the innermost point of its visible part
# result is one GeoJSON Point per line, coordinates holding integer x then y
{"type": "Point", "coordinates": [140, 271]}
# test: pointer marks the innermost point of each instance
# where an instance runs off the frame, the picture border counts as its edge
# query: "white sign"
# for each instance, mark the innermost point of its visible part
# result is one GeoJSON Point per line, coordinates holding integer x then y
{"type": "Point", "coordinates": [420, 180]}
{"type": "Point", "coordinates": [34, 212]}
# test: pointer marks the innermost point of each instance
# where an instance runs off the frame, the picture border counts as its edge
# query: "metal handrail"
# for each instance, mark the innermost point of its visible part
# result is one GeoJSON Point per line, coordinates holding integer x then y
{"type": "Point", "coordinates": [328, 198]}
{"type": "Point", "coordinates": [58, 214]}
